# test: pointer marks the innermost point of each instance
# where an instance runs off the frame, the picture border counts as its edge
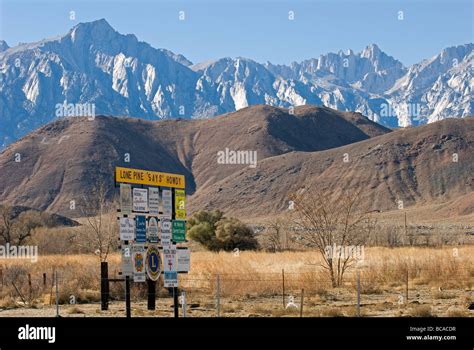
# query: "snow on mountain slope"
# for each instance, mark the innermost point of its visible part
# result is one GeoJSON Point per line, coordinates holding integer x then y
{"type": "Point", "coordinates": [3, 45]}
{"type": "Point", "coordinates": [90, 64]}
{"type": "Point", "coordinates": [442, 86]}
{"type": "Point", "coordinates": [93, 65]}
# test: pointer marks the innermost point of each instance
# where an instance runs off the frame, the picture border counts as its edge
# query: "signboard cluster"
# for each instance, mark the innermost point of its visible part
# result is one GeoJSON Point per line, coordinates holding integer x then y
{"type": "Point", "coordinates": [152, 224]}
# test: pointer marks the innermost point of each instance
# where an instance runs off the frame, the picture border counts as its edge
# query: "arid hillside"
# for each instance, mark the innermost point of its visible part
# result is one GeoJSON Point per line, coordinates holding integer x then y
{"type": "Point", "coordinates": [61, 161]}
{"type": "Point", "coordinates": [334, 151]}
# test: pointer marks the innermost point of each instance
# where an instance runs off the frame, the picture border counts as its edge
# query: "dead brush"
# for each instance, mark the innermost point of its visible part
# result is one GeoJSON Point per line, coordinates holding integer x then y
{"type": "Point", "coordinates": [331, 312]}
{"type": "Point", "coordinates": [252, 275]}
{"type": "Point", "coordinates": [420, 311]}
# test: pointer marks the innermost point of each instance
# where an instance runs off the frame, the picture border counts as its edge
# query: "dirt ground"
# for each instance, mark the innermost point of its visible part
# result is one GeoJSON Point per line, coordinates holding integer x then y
{"type": "Point", "coordinates": [338, 302]}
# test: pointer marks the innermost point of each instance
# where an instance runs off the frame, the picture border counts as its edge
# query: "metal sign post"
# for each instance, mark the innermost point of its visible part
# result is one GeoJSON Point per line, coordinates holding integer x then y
{"type": "Point", "coordinates": [358, 293]}
{"type": "Point", "coordinates": [57, 293]}
{"type": "Point", "coordinates": [128, 309]}
{"type": "Point", "coordinates": [176, 302]}
{"type": "Point", "coordinates": [151, 294]}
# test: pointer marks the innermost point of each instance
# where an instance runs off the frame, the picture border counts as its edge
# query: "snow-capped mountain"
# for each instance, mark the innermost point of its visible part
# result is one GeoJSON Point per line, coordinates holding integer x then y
{"type": "Point", "coordinates": [93, 65]}
{"type": "Point", "coordinates": [3, 45]}
{"type": "Point", "coordinates": [443, 86]}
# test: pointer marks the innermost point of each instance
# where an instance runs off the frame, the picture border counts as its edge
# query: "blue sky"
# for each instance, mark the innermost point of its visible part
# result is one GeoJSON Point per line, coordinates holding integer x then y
{"type": "Point", "coordinates": [258, 29]}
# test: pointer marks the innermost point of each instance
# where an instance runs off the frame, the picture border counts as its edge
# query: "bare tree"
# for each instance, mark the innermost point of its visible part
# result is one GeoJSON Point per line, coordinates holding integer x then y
{"type": "Point", "coordinates": [277, 235]}
{"type": "Point", "coordinates": [333, 227]}
{"type": "Point", "coordinates": [15, 228]}
{"type": "Point", "coordinates": [393, 237]}
{"type": "Point", "coordinates": [101, 225]}
{"type": "Point", "coordinates": [6, 223]}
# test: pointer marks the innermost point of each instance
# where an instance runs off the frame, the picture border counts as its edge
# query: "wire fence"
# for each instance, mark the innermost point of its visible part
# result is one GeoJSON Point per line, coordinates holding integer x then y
{"type": "Point", "coordinates": [309, 293]}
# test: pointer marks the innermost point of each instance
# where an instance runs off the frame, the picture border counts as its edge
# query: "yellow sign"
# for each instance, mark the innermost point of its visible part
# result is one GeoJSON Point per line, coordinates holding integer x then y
{"type": "Point", "coordinates": [146, 177]}
{"type": "Point", "coordinates": [180, 204]}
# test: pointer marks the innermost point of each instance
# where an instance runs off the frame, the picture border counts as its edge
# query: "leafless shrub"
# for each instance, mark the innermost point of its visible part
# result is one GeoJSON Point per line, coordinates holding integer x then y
{"type": "Point", "coordinates": [100, 230]}
{"type": "Point", "coordinates": [324, 221]}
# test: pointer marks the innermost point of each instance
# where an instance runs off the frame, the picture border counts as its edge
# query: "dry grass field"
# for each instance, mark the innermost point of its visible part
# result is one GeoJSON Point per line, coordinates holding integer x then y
{"type": "Point", "coordinates": [440, 283]}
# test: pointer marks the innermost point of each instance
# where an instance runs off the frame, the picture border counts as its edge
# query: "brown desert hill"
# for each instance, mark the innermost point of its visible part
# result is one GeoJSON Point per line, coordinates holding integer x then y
{"type": "Point", "coordinates": [61, 161]}
{"type": "Point", "coordinates": [416, 166]}
{"type": "Point", "coordinates": [269, 131]}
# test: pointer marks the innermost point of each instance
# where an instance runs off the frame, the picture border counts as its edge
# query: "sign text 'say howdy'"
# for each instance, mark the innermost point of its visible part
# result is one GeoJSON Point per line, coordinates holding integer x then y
{"type": "Point", "coordinates": [146, 177]}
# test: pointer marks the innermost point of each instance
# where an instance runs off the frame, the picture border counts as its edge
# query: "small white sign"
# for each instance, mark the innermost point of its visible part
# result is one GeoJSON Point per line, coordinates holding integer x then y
{"type": "Point", "coordinates": [153, 201]}
{"type": "Point", "coordinates": [127, 263]}
{"type": "Point", "coordinates": [127, 229]}
{"type": "Point", "coordinates": [152, 230]}
{"type": "Point", "coordinates": [170, 275]}
{"type": "Point", "coordinates": [140, 200]}
{"type": "Point", "coordinates": [165, 233]}
{"type": "Point", "coordinates": [125, 199]}
{"type": "Point", "coordinates": [167, 204]}
{"type": "Point", "coordinates": [183, 259]}
{"type": "Point", "coordinates": [169, 259]}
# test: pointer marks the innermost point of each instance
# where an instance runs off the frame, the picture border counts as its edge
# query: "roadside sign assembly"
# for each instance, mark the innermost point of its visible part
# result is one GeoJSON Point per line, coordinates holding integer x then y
{"type": "Point", "coordinates": [152, 221]}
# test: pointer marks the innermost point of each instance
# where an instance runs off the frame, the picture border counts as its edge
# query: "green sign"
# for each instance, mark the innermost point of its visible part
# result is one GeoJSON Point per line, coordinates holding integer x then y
{"type": "Point", "coordinates": [178, 230]}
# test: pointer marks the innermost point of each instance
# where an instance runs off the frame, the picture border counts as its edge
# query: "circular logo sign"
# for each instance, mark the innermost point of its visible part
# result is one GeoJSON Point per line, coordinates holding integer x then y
{"type": "Point", "coordinates": [153, 265]}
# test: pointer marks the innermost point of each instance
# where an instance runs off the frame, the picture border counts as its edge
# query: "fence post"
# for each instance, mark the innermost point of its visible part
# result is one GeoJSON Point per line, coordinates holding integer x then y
{"type": "Point", "coordinates": [19, 293]}
{"type": "Point", "coordinates": [29, 287]}
{"type": "Point", "coordinates": [283, 285]}
{"type": "Point", "coordinates": [44, 281]}
{"type": "Point", "coordinates": [406, 290]}
{"type": "Point", "coordinates": [52, 285]}
{"type": "Point", "coordinates": [302, 301]}
{"type": "Point", "coordinates": [104, 285]}
{"type": "Point", "coordinates": [218, 295]}
{"type": "Point", "coordinates": [358, 293]}
{"type": "Point", "coordinates": [1, 276]}
{"type": "Point", "coordinates": [183, 299]}
{"type": "Point", "coordinates": [57, 293]}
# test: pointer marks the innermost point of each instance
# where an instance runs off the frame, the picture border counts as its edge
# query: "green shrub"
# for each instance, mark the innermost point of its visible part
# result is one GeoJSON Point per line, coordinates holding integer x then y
{"type": "Point", "coordinates": [216, 232]}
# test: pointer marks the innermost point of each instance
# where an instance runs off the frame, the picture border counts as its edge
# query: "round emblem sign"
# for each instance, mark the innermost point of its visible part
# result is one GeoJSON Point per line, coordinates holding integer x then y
{"type": "Point", "coordinates": [153, 265]}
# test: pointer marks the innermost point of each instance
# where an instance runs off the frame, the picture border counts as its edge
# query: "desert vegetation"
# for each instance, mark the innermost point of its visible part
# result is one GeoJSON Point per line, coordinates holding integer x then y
{"type": "Point", "coordinates": [332, 227]}
{"type": "Point", "coordinates": [269, 269]}
{"type": "Point", "coordinates": [216, 232]}
{"type": "Point", "coordinates": [18, 223]}
{"type": "Point", "coordinates": [440, 282]}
